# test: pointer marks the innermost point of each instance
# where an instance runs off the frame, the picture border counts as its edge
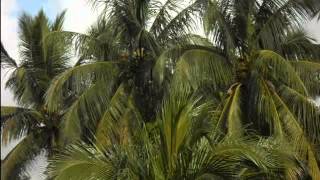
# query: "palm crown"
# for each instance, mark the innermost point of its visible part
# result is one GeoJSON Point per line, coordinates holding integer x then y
{"type": "Point", "coordinates": [125, 35]}
{"type": "Point", "coordinates": [263, 80]}
{"type": "Point", "coordinates": [40, 61]}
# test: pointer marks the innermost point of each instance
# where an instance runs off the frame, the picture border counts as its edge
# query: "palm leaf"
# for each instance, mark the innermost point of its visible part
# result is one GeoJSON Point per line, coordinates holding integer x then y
{"type": "Point", "coordinates": [296, 133]}
{"type": "Point", "coordinates": [14, 163]}
{"type": "Point", "coordinates": [309, 73]}
{"type": "Point", "coordinates": [58, 22]}
{"type": "Point", "coordinates": [6, 60]}
{"type": "Point", "coordinates": [15, 121]}
{"type": "Point", "coordinates": [71, 164]}
{"type": "Point", "coordinates": [75, 78]}
{"type": "Point", "coordinates": [182, 20]}
{"type": "Point", "coordinates": [230, 117]}
{"type": "Point", "coordinates": [86, 111]}
{"type": "Point", "coordinates": [217, 26]}
{"type": "Point", "coordinates": [267, 157]}
{"type": "Point", "coordinates": [261, 109]}
{"type": "Point", "coordinates": [178, 117]}
{"type": "Point", "coordinates": [275, 17]}
{"type": "Point", "coordinates": [107, 131]}
{"type": "Point", "coordinates": [298, 45]}
{"type": "Point", "coordinates": [304, 109]}
{"type": "Point", "coordinates": [273, 67]}
{"type": "Point", "coordinates": [204, 67]}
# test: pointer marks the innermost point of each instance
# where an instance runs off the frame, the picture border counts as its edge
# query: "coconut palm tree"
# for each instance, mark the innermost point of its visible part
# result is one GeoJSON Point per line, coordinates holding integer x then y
{"type": "Point", "coordinates": [264, 70]}
{"type": "Point", "coordinates": [39, 62]}
{"type": "Point", "coordinates": [181, 144]}
{"type": "Point", "coordinates": [132, 34]}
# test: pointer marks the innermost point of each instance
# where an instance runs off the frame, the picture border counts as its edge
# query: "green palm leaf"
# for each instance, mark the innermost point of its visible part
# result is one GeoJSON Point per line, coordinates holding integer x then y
{"type": "Point", "coordinates": [29, 147]}
{"type": "Point", "coordinates": [273, 67]}
{"type": "Point", "coordinates": [112, 126]}
{"type": "Point", "coordinates": [230, 117]}
{"type": "Point", "coordinates": [75, 78]}
{"type": "Point", "coordinates": [86, 111]}
{"type": "Point", "coordinates": [15, 121]}
{"type": "Point", "coordinates": [296, 133]}
{"type": "Point", "coordinates": [81, 162]}
{"type": "Point", "coordinates": [309, 73]}
{"type": "Point", "coordinates": [204, 67]}
{"type": "Point", "coordinates": [304, 109]}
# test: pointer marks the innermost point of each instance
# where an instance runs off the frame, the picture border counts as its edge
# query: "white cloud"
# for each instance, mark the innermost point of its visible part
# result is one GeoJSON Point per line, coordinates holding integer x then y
{"type": "Point", "coordinates": [313, 29]}
{"type": "Point", "coordinates": [9, 26]}
{"type": "Point", "coordinates": [79, 17]}
{"type": "Point", "coordinates": [80, 14]}
{"type": "Point", "coordinates": [318, 101]}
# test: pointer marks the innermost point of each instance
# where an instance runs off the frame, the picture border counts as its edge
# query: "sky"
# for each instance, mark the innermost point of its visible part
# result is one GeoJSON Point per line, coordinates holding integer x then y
{"type": "Point", "coordinates": [79, 17]}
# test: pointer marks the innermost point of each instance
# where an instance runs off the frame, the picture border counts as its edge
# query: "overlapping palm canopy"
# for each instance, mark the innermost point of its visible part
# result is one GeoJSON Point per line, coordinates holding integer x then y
{"type": "Point", "coordinates": [181, 144]}
{"type": "Point", "coordinates": [149, 99]}
{"type": "Point", "coordinates": [124, 34]}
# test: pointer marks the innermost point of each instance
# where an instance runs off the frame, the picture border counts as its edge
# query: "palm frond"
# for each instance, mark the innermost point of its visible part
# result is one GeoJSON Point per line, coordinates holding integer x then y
{"type": "Point", "coordinates": [261, 109]}
{"type": "Point", "coordinates": [81, 162]}
{"type": "Point", "coordinates": [267, 157]}
{"type": "Point", "coordinates": [163, 16]}
{"type": "Point", "coordinates": [218, 26]}
{"type": "Point", "coordinates": [230, 118]}
{"type": "Point", "coordinates": [112, 125]}
{"type": "Point", "coordinates": [204, 67]}
{"type": "Point", "coordinates": [15, 121]}
{"type": "Point", "coordinates": [167, 61]}
{"type": "Point", "coordinates": [98, 44]}
{"type": "Point", "coordinates": [304, 109]}
{"type": "Point", "coordinates": [86, 110]}
{"type": "Point", "coordinates": [192, 39]}
{"type": "Point", "coordinates": [298, 45]}
{"type": "Point", "coordinates": [28, 85]}
{"type": "Point", "coordinates": [6, 60]}
{"type": "Point", "coordinates": [58, 22]}
{"type": "Point", "coordinates": [32, 31]}
{"type": "Point", "coordinates": [178, 115]}
{"type": "Point", "coordinates": [309, 73]}
{"type": "Point", "coordinates": [75, 78]}
{"type": "Point", "coordinates": [40, 60]}
{"type": "Point", "coordinates": [14, 163]}
{"type": "Point", "coordinates": [276, 17]}
{"type": "Point", "coordinates": [177, 25]}
{"type": "Point", "coordinates": [295, 133]}
{"type": "Point", "coordinates": [275, 68]}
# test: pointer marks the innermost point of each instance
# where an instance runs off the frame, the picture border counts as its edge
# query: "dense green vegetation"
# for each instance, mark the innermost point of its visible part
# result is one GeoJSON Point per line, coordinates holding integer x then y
{"type": "Point", "coordinates": [149, 99]}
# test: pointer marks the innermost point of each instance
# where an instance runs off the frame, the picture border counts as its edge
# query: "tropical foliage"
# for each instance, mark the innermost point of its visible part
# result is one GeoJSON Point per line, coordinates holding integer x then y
{"type": "Point", "coordinates": [134, 45]}
{"type": "Point", "coordinates": [181, 144]}
{"type": "Point", "coordinates": [39, 62]}
{"type": "Point", "coordinates": [150, 99]}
